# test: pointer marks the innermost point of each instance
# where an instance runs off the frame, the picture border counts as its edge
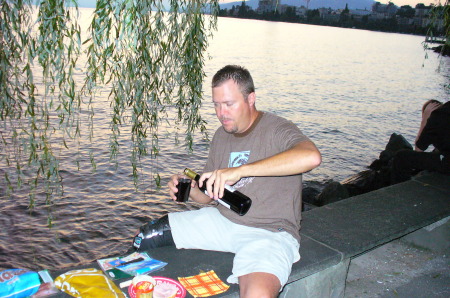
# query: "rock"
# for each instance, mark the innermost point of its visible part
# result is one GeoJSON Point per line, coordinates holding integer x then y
{"type": "Point", "coordinates": [377, 176]}
{"type": "Point", "coordinates": [379, 172]}
{"type": "Point", "coordinates": [333, 192]}
{"type": "Point", "coordinates": [365, 181]}
{"type": "Point", "coordinates": [396, 143]}
{"type": "Point", "coordinates": [309, 195]}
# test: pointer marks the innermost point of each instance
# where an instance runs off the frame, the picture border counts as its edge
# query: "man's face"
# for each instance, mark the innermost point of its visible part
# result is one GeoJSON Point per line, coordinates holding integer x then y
{"type": "Point", "coordinates": [232, 109]}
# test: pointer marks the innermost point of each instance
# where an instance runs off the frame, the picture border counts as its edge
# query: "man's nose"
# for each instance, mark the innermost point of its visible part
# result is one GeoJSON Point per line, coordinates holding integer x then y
{"type": "Point", "coordinates": [220, 111]}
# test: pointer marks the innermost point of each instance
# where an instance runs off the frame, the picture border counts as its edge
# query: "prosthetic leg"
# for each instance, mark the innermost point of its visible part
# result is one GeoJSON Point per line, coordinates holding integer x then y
{"type": "Point", "coordinates": [154, 234]}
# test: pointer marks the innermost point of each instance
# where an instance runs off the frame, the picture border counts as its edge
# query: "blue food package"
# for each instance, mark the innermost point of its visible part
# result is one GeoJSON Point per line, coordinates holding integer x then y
{"type": "Point", "coordinates": [17, 283]}
{"type": "Point", "coordinates": [142, 267]}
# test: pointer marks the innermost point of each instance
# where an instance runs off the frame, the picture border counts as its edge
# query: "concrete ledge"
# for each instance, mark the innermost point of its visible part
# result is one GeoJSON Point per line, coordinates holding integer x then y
{"type": "Point", "coordinates": [187, 262]}
{"type": "Point", "coordinates": [329, 282]}
{"type": "Point", "coordinates": [435, 237]}
{"type": "Point", "coordinates": [315, 257]}
{"type": "Point", "coordinates": [435, 180]}
{"type": "Point", "coordinates": [363, 222]}
{"type": "Point", "coordinates": [331, 236]}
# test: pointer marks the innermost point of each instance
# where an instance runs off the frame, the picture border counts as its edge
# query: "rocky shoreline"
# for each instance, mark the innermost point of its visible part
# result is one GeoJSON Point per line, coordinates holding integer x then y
{"type": "Point", "coordinates": [443, 50]}
{"type": "Point", "coordinates": [375, 177]}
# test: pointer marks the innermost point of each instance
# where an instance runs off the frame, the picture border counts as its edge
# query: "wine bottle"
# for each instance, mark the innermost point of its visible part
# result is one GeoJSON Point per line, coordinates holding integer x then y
{"type": "Point", "coordinates": [232, 199]}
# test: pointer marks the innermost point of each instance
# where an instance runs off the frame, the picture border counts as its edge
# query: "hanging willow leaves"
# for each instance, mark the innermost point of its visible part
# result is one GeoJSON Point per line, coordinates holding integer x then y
{"type": "Point", "coordinates": [149, 57]}
{"type": "Point", "coordinates": [439, 29]}
{"type": "Point", "coordinates": [53, 42]}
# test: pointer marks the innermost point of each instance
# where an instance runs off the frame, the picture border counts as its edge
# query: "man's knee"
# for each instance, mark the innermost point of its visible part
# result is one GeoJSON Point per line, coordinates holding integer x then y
{"type": "Point", "coordinates": [259, 284]}
{"type": "Point", "coordinates": [154, 234]}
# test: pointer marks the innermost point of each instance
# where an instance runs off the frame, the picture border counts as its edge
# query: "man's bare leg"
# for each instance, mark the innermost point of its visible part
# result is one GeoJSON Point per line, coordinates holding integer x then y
{"type": "Point", "coordinates": [259, 285]}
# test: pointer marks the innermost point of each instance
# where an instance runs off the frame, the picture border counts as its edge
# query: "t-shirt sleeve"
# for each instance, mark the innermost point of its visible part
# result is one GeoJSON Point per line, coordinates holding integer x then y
{"type": "Point", "coordinates": [287, 134]}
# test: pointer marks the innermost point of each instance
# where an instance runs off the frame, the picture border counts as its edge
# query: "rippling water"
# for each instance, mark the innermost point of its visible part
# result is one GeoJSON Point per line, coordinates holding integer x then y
{"type": "Point", "coordinates": [348, 90]}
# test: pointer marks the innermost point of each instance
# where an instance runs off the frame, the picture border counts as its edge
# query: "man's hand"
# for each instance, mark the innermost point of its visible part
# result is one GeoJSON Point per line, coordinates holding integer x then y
{"type": "Point", "coordinates": [195, 194]}
{"type": "Point", "coordinates": [217, 179]}
{"type": "Point", "coordinates": [301, 158]}
{"type": "Point", "coordinates": [429, 109]}
{"type": "Point", "coordinates": [172, 184]}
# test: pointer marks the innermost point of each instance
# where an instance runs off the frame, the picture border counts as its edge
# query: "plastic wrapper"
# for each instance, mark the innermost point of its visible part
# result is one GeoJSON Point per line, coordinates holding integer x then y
{"type": "Point", "coordinates": [17, 283]}
{"type": "Point", "coordinates": [87, 283]}
{"type": "Point", "coordinates": [137, 263]}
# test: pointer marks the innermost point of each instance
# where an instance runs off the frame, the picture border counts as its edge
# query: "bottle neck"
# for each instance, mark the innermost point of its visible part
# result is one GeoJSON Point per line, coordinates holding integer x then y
{"type": "Point", "coordinates": [191, 174]}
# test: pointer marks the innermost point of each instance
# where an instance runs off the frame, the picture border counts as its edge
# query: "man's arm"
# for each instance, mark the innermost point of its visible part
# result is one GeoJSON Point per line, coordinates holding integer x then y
{"type": "Point", "coordinates": [425, 116]}
{"type": "Point", "coordinates": [302, 157]}
{"type": "Point", "coordinates": [199, 196]}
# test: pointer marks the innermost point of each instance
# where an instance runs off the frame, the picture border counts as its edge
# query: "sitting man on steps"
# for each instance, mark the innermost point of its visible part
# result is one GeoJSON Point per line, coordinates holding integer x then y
{"type": "Point", "coordinates": [263, 156]}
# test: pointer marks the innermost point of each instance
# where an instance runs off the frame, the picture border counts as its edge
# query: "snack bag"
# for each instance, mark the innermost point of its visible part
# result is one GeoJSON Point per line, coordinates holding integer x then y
{"type": "Point", "coordinates": [47, 287]}
{"type": "Point", "coordinates": [17, 283]}
{"type": "Point", "coordinates": [87, 283]}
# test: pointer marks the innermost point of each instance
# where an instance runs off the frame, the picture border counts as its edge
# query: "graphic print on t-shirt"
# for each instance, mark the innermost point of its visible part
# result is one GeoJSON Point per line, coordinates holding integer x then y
{"type": "Point", "coordinates": [238, 159]}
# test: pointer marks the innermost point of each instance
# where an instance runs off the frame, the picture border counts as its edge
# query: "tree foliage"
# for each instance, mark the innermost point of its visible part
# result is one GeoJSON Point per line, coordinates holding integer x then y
{"type": "Point", "coordinates": [149, 57]}
{"type": "Point", "coordinates": [440, 18]}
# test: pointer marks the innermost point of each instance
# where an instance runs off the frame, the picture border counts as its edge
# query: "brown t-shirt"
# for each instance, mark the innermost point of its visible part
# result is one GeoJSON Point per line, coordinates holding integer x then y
{"type": "Point", "coordinates": [276, 201]}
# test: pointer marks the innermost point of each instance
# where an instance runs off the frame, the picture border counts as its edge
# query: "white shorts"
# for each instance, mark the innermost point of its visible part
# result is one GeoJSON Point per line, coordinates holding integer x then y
{"type": "Point", "coordinates": [256, 250]}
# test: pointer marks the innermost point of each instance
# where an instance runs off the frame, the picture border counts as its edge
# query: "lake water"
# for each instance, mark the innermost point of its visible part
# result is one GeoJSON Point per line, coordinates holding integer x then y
{"type": "Point", "coordinates": [347, 89]}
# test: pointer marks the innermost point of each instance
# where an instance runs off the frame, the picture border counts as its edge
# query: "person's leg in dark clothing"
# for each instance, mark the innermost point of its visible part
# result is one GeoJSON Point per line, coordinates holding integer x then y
{"type": "Point", "coordinates": [407, 163]}
{"type": "Point", "coordinates": [154, 234]}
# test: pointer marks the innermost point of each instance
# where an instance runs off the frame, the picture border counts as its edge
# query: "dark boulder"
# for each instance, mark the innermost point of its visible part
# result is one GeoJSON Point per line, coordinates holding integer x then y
{"type": "Point", "coordinates": [365, 181]}
{"type": "Point", "coordinates": [396, 143]}
{"type": "Point", "coordinates": [309, 194]}
{"type": "Point", "coordinates": [375, 177]}
{"type": "Point", "coordinates": [333, 192]}
{"type": "Point", "coordinates": [379, 173]}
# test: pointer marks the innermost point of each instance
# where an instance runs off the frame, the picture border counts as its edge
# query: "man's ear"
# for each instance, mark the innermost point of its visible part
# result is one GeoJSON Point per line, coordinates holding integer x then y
{"type": "Point", "coordinates": [251, 98]}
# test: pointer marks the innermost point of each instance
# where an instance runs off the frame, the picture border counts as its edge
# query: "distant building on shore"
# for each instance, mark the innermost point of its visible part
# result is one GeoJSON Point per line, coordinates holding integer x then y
{"type": "Point", "coordinates": [405, 16]}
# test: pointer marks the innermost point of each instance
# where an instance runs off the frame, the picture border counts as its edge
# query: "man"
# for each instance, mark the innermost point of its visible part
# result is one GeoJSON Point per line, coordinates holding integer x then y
{"type": "Point", "coordinates": [434, 130]}
{"type": "Point", "coordinates": [263, 156]}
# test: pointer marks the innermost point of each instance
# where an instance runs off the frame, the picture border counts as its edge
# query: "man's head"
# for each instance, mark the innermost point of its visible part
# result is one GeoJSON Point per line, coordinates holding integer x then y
{"type": "Point", "coordinates": [239, 75]}
{"type": "Point", "coordinates": [234, 98]}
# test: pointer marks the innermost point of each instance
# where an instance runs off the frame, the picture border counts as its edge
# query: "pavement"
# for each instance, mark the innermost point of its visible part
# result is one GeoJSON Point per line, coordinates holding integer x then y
{"type": "Point", "coordinates": [413, 266]}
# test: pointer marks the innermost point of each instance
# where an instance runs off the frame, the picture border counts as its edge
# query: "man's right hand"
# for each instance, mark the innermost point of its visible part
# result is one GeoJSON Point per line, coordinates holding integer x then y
{"type": "Point", "coordinates": [172, 184]}
{"type": "Point", "coordinates": [217, 180]}
{"type": "Point", "coordinates": [196, 195]}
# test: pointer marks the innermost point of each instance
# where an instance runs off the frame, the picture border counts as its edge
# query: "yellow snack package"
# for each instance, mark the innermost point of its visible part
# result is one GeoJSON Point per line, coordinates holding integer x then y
{"type": "Point", "coordinates": [87, 283]}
